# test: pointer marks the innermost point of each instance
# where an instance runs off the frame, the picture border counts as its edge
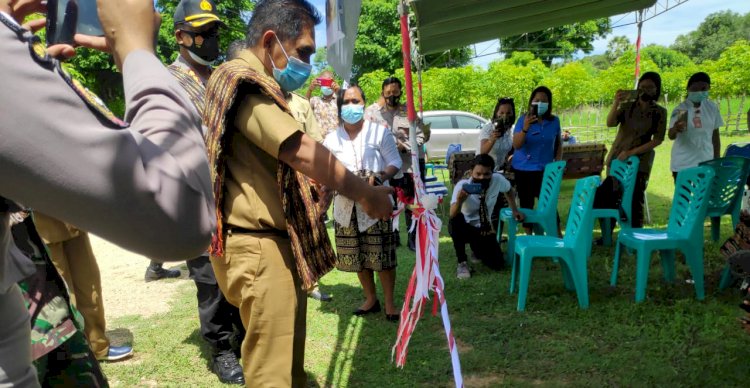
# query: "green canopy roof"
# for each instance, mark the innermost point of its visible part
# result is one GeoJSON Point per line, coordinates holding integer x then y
{"type": "Point", "coordinates": [447, 24]}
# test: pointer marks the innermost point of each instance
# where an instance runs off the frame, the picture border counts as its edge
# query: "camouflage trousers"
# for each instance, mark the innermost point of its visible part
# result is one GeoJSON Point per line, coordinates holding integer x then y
{"type": "Point", "coordinates": [71, 364]}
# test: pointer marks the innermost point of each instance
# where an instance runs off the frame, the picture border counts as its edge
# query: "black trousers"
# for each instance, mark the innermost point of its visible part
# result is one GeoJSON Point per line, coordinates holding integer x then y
{"type": "Point", "coordinates": [529, 186]}
{"type": "Point", "coordinates": [218, 318]}
{"type": "Point", "coordinates": [639, 197]}
{"type": "Point", "coordinates": [486, 248]}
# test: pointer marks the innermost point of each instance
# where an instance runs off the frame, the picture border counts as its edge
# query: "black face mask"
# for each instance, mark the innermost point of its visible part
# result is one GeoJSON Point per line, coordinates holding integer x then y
{"type": "Point", "coordinates": [484, 182]}
{"type": "Point", "coordinates": [648, 97]}
{"type": "Point", "coordinates": [393, 100]}
{"type": "Point", "coordinates": [209, 50]}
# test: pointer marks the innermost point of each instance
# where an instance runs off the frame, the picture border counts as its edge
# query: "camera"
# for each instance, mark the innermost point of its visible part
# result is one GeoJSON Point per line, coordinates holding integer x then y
{"type": "Point", "coordinates": [534, 110]}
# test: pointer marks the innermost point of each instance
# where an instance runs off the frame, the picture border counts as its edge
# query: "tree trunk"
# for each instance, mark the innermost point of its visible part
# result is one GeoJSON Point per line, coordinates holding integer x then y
{"type": "Point", "coordinates": [729, 114]}
{"type": "Point", "coordinates": [739, 113]}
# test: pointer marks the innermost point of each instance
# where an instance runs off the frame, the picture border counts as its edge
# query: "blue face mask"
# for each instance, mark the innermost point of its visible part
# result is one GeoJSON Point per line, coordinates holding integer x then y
{"type": "Point", "coordinates": [294, 75]}
{"type": "Point", "coordinates": [352, 113]}
{"type": "Point", "coordinates": [698, 97]}
{"type": "Point", "coordinates": [542, 108]}
{"type": "Point", "coordinates": [326, 90]}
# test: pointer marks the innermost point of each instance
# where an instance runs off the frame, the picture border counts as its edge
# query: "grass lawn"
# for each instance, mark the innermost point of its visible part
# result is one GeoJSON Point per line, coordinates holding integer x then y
{"type": "Point", "coordinates": [669, 340]}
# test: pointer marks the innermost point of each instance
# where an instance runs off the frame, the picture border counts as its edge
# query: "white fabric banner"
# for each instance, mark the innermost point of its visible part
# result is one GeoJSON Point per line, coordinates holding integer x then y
{"type": "Point", "coordinates": [342, 19]}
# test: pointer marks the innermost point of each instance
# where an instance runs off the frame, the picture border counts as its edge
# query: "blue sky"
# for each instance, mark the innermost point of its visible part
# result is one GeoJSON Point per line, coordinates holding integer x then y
{"type": "Point", "coordinates": [662, 29]}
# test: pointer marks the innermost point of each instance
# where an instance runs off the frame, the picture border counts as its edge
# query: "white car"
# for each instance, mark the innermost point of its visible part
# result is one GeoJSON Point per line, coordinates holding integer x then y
{"type": "Point", "coordinates": [452, 127]}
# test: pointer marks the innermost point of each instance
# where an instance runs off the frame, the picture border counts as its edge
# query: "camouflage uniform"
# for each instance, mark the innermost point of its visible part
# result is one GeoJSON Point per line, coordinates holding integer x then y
{"type": "Point", "coordinates": [61, 353]}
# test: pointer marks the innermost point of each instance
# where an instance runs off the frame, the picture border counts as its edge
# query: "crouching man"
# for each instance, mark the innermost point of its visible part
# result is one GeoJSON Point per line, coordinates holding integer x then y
{"type": "Point", "coordinates": [471, 215]}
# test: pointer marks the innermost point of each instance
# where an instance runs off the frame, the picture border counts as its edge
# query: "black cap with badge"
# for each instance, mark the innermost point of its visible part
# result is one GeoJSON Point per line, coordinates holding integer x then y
{"type": "Point", "coordinates": [196, 13]}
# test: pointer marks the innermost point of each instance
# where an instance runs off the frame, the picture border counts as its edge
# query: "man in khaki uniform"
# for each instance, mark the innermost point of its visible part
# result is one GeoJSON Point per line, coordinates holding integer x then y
{"type": "Point", "coordinates": [256, 267]}
{"type": "Point", "coordinates": [71, 253]}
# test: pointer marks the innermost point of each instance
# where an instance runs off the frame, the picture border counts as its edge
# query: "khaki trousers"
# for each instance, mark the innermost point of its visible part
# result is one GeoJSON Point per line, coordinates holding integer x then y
{"type": "Point", "coordinates": [76, 263]}
{"type": "Point", "coordinates": [258, 275]}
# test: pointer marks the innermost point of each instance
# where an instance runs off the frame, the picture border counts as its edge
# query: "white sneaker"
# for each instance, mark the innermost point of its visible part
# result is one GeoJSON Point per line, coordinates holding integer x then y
{"type": "Point", "coordinates": [473, 259]}
{"type": "Point", "coordinates": [462, 271]}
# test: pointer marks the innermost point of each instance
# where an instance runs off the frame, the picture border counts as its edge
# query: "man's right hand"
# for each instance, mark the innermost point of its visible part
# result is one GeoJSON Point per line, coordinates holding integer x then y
{"type": "Point", "coordinates": [128, 25]}
{"type": "Point", "coordinates": [314, 84]}
{"type": "Point", "coordinates": [377, 202]}
{"type": "Point", "coordinates": [462, 195]}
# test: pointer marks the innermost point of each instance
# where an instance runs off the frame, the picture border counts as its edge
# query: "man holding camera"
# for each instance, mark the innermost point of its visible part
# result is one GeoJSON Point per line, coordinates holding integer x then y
{"type": "Point", "coordinates": [324, 107]}
{"type": "Point", "coordinates": [471, 220]}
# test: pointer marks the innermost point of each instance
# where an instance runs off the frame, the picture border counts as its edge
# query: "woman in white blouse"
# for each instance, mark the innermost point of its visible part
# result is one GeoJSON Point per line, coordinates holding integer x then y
{"type": "Point", "coordinates": [496, 137]}
{"type": "Point", "coordinates": [364, 245]}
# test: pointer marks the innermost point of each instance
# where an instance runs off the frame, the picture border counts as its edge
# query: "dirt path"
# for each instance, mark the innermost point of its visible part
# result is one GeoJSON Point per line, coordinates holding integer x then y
{"type": "Point", "coordinates": [123, 288]}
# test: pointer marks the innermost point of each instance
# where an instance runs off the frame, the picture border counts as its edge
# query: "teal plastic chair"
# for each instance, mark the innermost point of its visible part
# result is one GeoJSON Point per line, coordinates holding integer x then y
{"type": "Point", "coordinates": [625, 172]}
{"type": "Point", "coordinates": [571, 251]}
{"type": "Point", "coordinates": [726, 192]}
{"type": "Point", "coordinates": [544, 216]}
{"type": "Point", "coordinates": [684, 232]}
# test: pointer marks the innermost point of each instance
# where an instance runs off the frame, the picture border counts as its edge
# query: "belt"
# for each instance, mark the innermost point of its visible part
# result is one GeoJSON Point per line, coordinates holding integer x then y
{"type": "Point", "coordinates": [238, 230]}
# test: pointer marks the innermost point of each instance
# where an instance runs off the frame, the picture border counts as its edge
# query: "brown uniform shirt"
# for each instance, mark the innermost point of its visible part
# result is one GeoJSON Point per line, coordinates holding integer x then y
{"type": "Point", "coordinates": [637, 127]}
{"type": "Point", "coordinates": [252, 198]}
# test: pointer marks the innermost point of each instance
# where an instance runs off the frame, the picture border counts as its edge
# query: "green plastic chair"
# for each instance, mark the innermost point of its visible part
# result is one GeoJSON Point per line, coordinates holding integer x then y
{"type": "Point", "coordinates": [726, 193]}
{"type": "Point", "coordinates": [684, 232]}
{"type": "Point", "coordinates": [571, 251]}
{"type": "Point", "coordinates": [544, 216]}
{"type": "Point", "coordinates": [625, 172]}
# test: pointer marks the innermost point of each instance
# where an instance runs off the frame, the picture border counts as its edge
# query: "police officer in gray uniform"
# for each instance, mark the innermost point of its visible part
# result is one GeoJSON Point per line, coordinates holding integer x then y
{"type": "Point", "coordinates": [62, 154]}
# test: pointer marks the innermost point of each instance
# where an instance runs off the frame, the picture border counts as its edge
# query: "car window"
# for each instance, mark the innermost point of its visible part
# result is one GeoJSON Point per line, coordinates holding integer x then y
{"type": "Point", "coordinates": [467, 122]}
{"type": "Point", "coordinates": [439, 122]}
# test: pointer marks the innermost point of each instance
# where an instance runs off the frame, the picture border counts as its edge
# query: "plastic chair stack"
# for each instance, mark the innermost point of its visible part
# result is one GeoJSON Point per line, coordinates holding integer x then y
{"type": "Point", "coordinates": [684, 232]}
{"type": "Point", "coordinates": [571, 251]}
{"type": "Point", "coordinates": [544, 216]}
{"type": "Point", "coordinates": [625, 173]}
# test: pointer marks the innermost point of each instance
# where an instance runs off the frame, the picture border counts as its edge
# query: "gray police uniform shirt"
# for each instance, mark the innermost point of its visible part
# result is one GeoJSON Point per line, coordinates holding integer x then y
{"type": "Point", "coordinates": [146, 188]}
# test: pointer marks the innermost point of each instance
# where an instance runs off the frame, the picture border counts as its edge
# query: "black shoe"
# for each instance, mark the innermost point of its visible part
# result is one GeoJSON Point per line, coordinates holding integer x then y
{"type": "Point", "coordinates": [374, 309]}
{"type": "Point", "coordinates": [392, 317]}
{"type": "Point", "coordinates": [228, 369]}
{"type": "Point", "coordinates": [156, 273]}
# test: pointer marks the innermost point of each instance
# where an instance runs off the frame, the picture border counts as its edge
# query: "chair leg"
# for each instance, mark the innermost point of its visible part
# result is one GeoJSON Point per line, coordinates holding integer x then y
{"type": "Point", "coordinates": [606, 225]}
{"type": "Point", "coordinates": [511, 247]}
{"type": "Point", "coordinates": [523, 281]}
{"type": "Point", "coordinates": [668, 265]}
{"type": "Point", "coordinates": [568, 276]}
{"type": "Point", "coordinates": [726, 279]}
{"type": "Point", "coordinates": [582, 284]}
{"type": "Point", "coordinates": [514, 274]}
{"type": "Point", "coordinates": [715, 228]}
{"type": "Point", "coordinates": [641, 277]}
{"type": "Point", "coordinates": [615, 265]}
{"type": "Point", "coordinates": [694, 258]}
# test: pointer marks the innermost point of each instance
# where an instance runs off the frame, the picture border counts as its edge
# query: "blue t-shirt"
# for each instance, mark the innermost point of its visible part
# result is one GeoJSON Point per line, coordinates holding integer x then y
{"type": "Point", "coordinates": [539, 148]}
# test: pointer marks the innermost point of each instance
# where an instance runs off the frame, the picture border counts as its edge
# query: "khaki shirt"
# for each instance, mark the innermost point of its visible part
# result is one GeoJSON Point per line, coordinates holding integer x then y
{"type": "Point", "coordinates": [252, 199]}
{"type": "Point", "coordinates": [303, 113]}
{"type": "Point", "coordinates": [637, 127]}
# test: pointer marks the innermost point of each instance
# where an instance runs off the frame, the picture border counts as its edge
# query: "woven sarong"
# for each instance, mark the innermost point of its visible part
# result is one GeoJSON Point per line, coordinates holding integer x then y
{"type": "Point", "coordinates": [313, 253]}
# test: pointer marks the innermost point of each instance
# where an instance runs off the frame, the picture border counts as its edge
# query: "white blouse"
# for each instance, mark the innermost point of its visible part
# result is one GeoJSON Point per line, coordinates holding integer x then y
{"type": "Point", "coordinates": [373, 149]}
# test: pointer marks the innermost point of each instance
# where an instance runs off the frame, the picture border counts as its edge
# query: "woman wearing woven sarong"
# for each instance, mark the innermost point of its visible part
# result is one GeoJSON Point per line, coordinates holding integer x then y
{"type": "Point", "coordinates": [364, 245]}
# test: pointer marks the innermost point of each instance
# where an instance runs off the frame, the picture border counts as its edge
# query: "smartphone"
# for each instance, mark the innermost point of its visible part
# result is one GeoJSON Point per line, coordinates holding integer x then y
{"type": "Point", "coordinates": [631, 95]}
{"type": "Point", "coordinates": [325, 81]}
{"type": "Point", "coordinates": [472, 188]}
{"type": "Point", "coordinates": [682, 116]}
{"type": "Point", "coordinates": [534, 110]}
{"type": "Point", "coordinates": [65, 18]}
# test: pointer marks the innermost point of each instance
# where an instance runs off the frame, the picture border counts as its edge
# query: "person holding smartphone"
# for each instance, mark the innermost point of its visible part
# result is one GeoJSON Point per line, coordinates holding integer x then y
{"type": "Point", "coordinates": [496, 137]}
{"type": "Point", "coordinates": [642, 127]}
{"type": "Point", "coordinates": [537, 141]}
{"type": "Point", "coordinates": [694, 126]}
{"type": "Point", "coordinates": [324, 106]}
{"type": "Point", "coordinates": [66, 155]}
{"type": "Point", "coordinates": [470, 218]}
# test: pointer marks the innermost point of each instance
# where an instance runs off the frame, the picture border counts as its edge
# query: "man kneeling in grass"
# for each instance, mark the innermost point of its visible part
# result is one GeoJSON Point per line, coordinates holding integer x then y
{"type": "Point", "coordinates": [470, 217]}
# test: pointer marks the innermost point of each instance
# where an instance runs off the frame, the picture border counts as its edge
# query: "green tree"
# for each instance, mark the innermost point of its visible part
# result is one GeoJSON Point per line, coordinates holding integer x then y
{"type": "Point", "coordinates": [98, 70]}
{"type": "Point", "coordinates": [558, 42]}
{"type": "Point", "coordinates": [621, 75]}
{"type": "Point", "coordinates": [717, 32]}
{"type": "Point", "coordinates": [378, 44]}
{"type": "Point", "coordinates": [617, 46]}
{"type": "Point", "coordinates": [664, 57]}
{"type": "Point", "coordinates": [572, 85]}
{"type": "Point", "coordinates": [730, 74]}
